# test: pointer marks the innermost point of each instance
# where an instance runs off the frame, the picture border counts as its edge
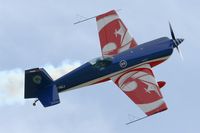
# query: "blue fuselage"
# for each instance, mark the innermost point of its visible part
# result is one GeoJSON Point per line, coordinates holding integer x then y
{"type": "Point", "coordinates": [154, 51]}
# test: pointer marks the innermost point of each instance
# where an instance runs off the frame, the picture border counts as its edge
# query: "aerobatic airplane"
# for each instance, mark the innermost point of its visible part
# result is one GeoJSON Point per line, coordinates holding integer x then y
{"type": "Point", "coordinates": [124, 62]}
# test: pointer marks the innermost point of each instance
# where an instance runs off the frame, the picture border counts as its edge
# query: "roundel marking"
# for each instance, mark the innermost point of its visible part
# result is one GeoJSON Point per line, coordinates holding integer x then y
{"type": "Point", "coordinates": [37, 79]}
{"type": "Point", "coordinates": [123, 63]}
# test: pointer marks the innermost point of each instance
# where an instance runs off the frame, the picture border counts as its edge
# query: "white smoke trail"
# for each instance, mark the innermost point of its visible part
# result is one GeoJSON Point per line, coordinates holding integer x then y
{"type": "Point", "coordinates": [12, 81]}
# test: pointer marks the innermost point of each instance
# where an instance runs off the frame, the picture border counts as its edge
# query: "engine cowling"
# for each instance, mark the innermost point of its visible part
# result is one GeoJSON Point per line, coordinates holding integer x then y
{"type": "Point", "coordinates": [161, 84]}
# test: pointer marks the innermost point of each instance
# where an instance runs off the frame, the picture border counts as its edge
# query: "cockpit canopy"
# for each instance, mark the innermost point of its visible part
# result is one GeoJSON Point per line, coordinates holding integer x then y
{"type": "Point", "coordinates": [101, 62]}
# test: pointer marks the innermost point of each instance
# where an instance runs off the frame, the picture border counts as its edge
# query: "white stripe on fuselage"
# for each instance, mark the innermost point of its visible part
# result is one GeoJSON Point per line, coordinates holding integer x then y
{"type": "Point", "coordinates": [112, 74]}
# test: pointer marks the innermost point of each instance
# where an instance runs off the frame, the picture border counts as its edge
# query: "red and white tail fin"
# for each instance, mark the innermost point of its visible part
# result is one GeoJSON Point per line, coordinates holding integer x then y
{"type": "Point", "coordinates": [113, 34]}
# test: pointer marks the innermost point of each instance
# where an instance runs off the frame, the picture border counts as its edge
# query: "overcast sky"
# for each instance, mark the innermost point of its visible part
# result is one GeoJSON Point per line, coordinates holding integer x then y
{"type": "Point", "coordinates": [34, 33]}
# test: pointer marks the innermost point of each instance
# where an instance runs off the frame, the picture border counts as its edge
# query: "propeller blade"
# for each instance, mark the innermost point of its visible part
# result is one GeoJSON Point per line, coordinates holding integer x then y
{"type": "Point", "coordinates": [176, 41]}
{"type": "Point", "coordinates": [172, 32]}
{"type": "Point", "coordinates": [180, 53]}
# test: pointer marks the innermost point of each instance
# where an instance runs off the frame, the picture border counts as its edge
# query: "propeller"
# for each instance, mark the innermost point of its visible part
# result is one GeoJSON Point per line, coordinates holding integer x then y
{"type": "Point", "coordinates": [176, 41]}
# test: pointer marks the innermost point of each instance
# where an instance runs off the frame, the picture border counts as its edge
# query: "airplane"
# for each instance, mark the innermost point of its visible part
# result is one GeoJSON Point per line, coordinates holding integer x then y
{"type": "Point", "coordinates": [123, 61]}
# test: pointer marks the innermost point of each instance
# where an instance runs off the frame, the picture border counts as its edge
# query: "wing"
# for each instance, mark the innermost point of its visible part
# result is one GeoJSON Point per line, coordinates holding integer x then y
{"type": "Point", "coordinates": [141, 87]}
{"type": "Point", "coordinates": [113, 34]}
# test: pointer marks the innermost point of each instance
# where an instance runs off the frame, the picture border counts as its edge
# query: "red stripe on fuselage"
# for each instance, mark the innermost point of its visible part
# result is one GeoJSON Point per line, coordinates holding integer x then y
{"type": "Point", "coordinates": [155, 63]}
{"type": "Point", "coordinates": [101, 81]}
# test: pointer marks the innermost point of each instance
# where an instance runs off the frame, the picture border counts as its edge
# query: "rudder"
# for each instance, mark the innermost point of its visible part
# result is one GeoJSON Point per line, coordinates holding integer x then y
{"type": "Point", "coordinates": [38, 84]}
